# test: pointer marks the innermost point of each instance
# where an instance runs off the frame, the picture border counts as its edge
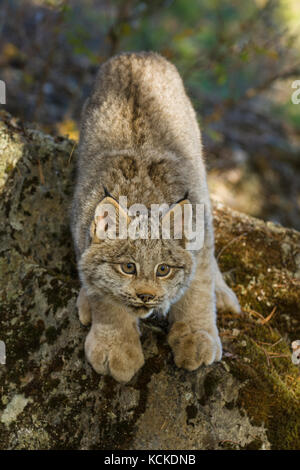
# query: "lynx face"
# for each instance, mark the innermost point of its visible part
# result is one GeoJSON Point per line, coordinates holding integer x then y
{"type": "Point", "coordinates": [143, 275]}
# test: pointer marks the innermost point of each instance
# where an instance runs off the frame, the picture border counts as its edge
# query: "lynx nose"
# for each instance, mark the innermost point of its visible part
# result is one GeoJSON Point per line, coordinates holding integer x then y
{"type": "Point", "coordinates": [145, 297]}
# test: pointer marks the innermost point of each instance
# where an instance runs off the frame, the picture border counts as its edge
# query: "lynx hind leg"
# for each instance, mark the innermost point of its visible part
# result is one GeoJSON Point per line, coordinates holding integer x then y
{"type": "Point", "coordinates": [84, 309]}
{"type": "Point", "coordinates": [225, 297]}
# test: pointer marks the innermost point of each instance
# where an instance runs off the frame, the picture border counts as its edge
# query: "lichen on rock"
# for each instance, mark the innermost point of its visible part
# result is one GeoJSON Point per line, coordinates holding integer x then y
{"type": "Point", "coordinates": [53, 397]}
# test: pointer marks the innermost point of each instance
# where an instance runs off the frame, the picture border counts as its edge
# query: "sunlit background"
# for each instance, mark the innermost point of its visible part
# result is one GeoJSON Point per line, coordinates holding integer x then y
{"type": "Point", "coordinates": [238, 60]}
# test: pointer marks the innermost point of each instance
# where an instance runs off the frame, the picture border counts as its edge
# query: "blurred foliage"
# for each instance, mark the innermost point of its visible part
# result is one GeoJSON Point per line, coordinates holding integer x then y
{"type": "Point", "coordinates": [289, 112]}
{"type": "Point", "coordinates": [223, 48]}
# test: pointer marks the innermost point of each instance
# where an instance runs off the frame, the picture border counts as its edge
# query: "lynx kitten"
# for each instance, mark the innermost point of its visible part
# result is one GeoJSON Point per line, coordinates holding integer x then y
{"type": "Point", "coordinates": [140, 139]}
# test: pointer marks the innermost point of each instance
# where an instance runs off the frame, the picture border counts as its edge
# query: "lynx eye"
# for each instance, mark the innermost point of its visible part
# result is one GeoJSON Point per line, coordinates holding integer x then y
{"type": "Point", "coordinates": [128, 268]}
{"type": "Point", "coordinates": [163, 270]}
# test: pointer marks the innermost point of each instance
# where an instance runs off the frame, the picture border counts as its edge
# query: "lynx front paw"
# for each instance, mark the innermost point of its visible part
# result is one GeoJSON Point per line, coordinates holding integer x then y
{"type": "Point", "coordinates": [191, 349]}
{"type": "Point", "coordinates": [119, 359]}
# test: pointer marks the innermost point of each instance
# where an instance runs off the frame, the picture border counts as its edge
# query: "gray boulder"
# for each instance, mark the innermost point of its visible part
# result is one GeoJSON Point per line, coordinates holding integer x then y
{"type": "Point", "coordinates": [50, 398]}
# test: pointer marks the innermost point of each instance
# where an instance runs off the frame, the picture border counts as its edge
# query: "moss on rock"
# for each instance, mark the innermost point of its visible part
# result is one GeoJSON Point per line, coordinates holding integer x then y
{"type": "Point", "coordinates": [260, 260]}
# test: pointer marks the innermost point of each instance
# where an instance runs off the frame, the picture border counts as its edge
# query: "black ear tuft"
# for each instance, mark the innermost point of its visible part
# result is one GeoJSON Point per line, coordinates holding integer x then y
{"type": "Point", "coordinates": [106, 193]}
{"type": "Point", "coordinates": [186, 196]}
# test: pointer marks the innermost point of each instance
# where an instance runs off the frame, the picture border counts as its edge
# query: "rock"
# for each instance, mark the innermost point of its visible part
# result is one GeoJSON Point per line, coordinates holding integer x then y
{"type": "Point", "coordinates": [50, 396]}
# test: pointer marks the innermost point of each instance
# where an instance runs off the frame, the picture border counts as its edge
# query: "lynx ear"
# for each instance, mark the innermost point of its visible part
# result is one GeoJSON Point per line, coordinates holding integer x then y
{"type": "Point", "coordinates": [110, 221]}
{"type": "Point", "coordinates": [176, 220]}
